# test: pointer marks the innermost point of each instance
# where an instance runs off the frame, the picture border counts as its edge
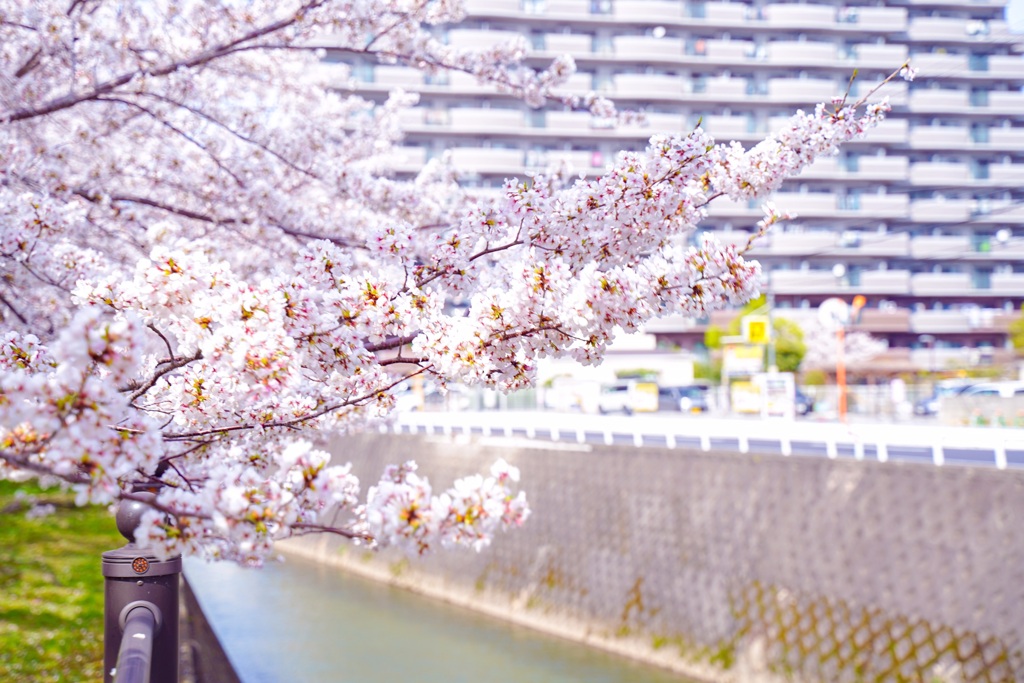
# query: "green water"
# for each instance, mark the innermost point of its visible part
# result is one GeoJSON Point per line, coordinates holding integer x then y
{"type": "Point", "coordinates": [303, 622]}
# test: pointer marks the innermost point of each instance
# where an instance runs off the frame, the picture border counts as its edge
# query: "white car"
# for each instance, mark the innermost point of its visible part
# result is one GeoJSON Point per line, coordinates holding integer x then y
{"type": "Point", "coordinates": [628, 397]}
{"type": "Point", "coordinates": [1004, 389]}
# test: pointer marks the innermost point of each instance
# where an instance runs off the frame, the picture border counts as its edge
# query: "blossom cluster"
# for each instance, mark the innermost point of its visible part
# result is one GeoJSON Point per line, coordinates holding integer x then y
{"type": "Point", "coordinates": [402, 508]}
{"type": "Point", "coordinates": [204, 260]}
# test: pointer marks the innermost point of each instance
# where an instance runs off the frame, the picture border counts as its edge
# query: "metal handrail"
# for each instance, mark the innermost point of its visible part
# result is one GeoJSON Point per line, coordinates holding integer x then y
{"type": "Point", "coordinates": [833, 438]}
{"type": "Point", "coordinates": [135, 657]}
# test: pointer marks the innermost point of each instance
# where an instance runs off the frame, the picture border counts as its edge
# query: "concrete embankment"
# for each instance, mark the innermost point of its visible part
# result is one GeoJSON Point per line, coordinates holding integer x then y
{"type": "Point", "coordinates": [732, 567]}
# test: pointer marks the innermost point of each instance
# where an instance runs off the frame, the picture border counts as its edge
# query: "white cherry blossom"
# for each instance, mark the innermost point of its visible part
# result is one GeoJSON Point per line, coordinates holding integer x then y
{"type": "Point", "coordinates": [204, 262]}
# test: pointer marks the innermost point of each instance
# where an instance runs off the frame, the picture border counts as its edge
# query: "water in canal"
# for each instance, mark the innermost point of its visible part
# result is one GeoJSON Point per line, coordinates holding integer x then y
{"type": "Point", "coordinates": [303, 622]}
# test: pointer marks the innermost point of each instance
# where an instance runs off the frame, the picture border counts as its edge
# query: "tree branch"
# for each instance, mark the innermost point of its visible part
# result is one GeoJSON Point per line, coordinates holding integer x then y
{"type": "Point", "coordinates": [200, 59]}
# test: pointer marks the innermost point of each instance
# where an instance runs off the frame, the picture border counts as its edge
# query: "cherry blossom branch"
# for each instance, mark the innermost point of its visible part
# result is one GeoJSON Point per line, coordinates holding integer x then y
{"type": "Point", "coordinates": [170, 126]}
{"type": "Point", "coordinates": [22, 463]}
{"type": "Point", "coordinates": [200, 59]}
{"type": "Point", "coordinates": [169, 366]}
{"type": "Point", "coordinates": [306, 528]}
{"type": "Point", "coordinates": [223, 126]}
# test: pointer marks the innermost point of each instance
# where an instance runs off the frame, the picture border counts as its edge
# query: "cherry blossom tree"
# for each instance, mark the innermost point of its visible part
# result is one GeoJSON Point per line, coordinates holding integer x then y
{"type": "Point", "coordinates": [204, 261]}
{"type": "Point", "coordinates": [823, 348]}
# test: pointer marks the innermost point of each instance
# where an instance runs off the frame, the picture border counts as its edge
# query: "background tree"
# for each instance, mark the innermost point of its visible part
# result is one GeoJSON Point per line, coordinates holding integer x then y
{"type": "Point", "coordinates": [203, 260]}
{"type": "Point", "coordinates": [787, 335]}
{"type": "Point", "coordinates": [823, 349]}
{"type": "Point", "coordinates": [1017, 332]}
{"type": "Point", "coordinates": [790, 349]}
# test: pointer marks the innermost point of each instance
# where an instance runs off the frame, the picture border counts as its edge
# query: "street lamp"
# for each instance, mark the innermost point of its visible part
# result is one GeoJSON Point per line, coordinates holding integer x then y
{"type": "Point", "coordinates": [835, 314]}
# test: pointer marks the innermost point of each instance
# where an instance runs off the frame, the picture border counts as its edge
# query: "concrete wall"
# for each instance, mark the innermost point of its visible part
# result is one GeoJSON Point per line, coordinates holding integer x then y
{"type": "Point", "coordinates": [203, 660]}
{"type": "Point", "coordinates": [735, 567]}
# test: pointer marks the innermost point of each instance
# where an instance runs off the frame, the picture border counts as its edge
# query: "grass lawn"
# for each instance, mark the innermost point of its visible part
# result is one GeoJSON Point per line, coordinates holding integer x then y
{"type": "Point", "coordinates": [51, 588]}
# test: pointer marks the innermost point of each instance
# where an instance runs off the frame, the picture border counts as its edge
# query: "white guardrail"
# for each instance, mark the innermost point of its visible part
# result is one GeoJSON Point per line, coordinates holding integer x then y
{"type": "Point", "coordinates": [998, 447]}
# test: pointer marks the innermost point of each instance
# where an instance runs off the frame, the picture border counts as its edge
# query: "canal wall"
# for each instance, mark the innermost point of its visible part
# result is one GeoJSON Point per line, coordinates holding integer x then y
{"type": "Point", "coordinates": [732, 567]}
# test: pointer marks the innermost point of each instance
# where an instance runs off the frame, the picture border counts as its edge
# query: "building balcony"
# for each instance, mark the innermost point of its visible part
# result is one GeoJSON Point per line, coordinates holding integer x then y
{"type": "Point", "coordinates": [398, 76]}
{"type": "Point", "coordinates": [1005, 66]}
{"type": "Point", "coordinates": [941, 173]}
{"type": "Point", "coordinates": [571, 43]}
{"type": "Point", "coordinates": [726, 12]}
{"type": "Point", "coordinates": [967, 5]}
{"type": "Point", "coordinates": [824, 244]}
{"type": "Point", "coordinates": [880, 321]}
{"type": "Point", "coordinates": [800, 53]}
{"type": "Point", "coordinates": [408, 159]}
{"type": "Point", "coordinates": [880, 283]}
{"type": "Point", "coordinates": [946, 66]}
{"type": "Point", "coordinates": [480, 38]}
{"type": "Point", "coordinates": [936, 64]}
{"type": "Point", "coordinates": [889, 168]}
{"type": "Point", "coordinates": [819, 205]}
{"type": "Point", "coordinates": [472, 119]}
{"type": "Point", "coordinates": [957, 30]}
{"type": "Point", "coordinates": [644, 85]}
{"type": "Point", "coordinates": [875, 19]}
{"type": "Point", "coordinates": [940, 284]}
{"type": "Point", "coordinates": [674, 124]}
{"type": "Point", "coordinates": [635, 9]}
{"type": "Point", "coordinates": [486, 159]}
{"type": "Point", "coordinates": [828, 18]}
{"type": "Point", "coordinates": [996, 212]}
{"type": "Point", "coordinates": [889, 130]}
{"type": "Point", "coordinates": [1009, 101]}
{"type": "Point", "coordinates": [941, 210]}
{"type": "Point", "coordinates": [870, 55]}
{"type": "Point", "coordinates": [874, 244]}
{"type": "Point", "coordinates": [960, 101]}
{"type": "Point", "coordinates": [940, 137]}
{"type": "Point", "coordinates": [1006, 175]}
{"type": "Point", "coordinates": [805, 90]}
{"type": "Point", "coordinates": [1010, 284]}
{"type": "Point", "coordinates": [728, 51]}
{"type": "Point", "coordinates": [646, 47]}
{"type": "Point", "coordinates": [476, 7]}
{"type": "Point", "coordinates": [938, 100]}
{"type": "Point", "coordinates": [589, 163]}
{"type": "Point", "coordinates": [948, 247]}
{"type": "Point", "coordinates": [1009, 139]}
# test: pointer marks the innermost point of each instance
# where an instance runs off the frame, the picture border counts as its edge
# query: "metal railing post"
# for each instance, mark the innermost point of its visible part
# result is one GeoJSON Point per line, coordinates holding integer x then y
{"type": "Point", "coordinates": [140, 631]}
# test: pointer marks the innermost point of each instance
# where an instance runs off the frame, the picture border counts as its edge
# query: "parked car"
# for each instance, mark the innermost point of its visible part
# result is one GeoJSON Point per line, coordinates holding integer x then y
{"type": "Point", "coordinates": [631, 396]}
{"type": "Point", "coordinates": [802, 403]}
{"type": "Point", "coordinates": [692, 398]}
{"type": "Point", "coordinates": [1004, 389]}
{"type": "Point", "coordinates": [946, 387]}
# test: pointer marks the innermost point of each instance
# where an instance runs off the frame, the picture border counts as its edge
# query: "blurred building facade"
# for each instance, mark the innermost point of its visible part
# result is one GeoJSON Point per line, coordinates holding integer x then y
{"type": "Point", "coordinates": [925, 217]}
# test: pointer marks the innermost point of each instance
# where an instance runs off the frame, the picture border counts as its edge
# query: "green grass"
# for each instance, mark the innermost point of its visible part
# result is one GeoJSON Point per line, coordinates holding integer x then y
{"type": "Point", "coordinates": [51, 588]}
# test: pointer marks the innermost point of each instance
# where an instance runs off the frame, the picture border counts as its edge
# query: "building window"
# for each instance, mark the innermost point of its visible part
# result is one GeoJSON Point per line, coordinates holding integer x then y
{"type": "Point", "coordinates": [982, 279]}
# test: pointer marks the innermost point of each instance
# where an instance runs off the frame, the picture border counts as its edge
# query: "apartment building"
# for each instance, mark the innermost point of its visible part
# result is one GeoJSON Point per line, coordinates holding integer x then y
{"type": "Point", "coordinates": [925, 218]}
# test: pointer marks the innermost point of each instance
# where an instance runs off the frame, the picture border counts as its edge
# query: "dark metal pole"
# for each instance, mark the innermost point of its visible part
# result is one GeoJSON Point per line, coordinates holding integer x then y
{"type": "Point", "coordinates": [134, 580]}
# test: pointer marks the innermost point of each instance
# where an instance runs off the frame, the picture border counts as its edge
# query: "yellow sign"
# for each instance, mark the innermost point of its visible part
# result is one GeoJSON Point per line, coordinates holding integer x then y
{"type": "Point", "coordinates": [757, 329]}
{"type": "Point", "coordinates": [743, 359]}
